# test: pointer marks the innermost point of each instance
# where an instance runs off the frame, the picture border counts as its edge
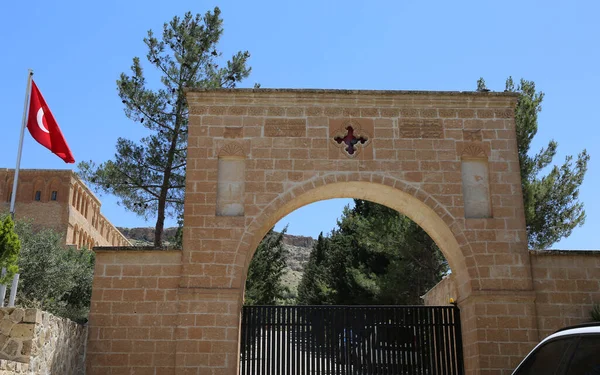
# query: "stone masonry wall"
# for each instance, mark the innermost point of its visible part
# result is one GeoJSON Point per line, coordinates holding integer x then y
{"type": "Point", "coordinates": [441, 293]}
{"type": "Point", "coordinates": [134, 312]}
{"type": "Point", "coordinates": [37, 342]}
{"type": "Point", "coordinates": [567, 285]}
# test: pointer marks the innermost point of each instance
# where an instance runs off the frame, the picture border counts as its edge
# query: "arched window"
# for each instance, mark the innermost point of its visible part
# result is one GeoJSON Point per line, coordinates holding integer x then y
{"type": "Point", "coordinates": [74, 201]}
{"type": "Point", "coordinates": [75, 235]}
{"type": "Point", "coordinates": [9, 186]}
{"type": "Point", "coordinates": [38, 188]}
{"type": "Point", "coordinates": [79, 197]}
{"type": "Point", "coordinates": [53, 190]}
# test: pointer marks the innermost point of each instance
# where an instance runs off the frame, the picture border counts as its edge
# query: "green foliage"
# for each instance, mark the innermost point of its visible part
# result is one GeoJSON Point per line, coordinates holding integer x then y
{"type": "Point", "coordinates": [595, 313]}
{"type": "Point", "coordinates": [314, 285]}
{"type": "Point", "coordinates": [263, 285]}
{"type": "Point", "coordinates": [10, 245]}
{"type": "Point", "coordinates": [551, 200]}
{"type": "Point", "coordinates": [149, 176]}
{"type": "Point", "coordinates": [53, 277]}
{"type": "Point", "coordinates": [374, 256]}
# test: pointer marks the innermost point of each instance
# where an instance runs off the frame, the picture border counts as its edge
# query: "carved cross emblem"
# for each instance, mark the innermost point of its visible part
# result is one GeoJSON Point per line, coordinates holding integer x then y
{"type": "Point", "coordinates": [350, 140]}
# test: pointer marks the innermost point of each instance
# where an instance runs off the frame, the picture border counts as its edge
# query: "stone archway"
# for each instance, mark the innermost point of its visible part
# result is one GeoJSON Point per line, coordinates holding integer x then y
{"type": "Point", "coordinates": [389, 192]}
{"type": "Point", "coordinates": [447, 160]}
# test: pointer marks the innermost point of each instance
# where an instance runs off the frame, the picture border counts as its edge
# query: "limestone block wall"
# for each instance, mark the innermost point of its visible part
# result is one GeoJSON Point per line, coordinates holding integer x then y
{"type": "Point", "coordinates": [134, 316]}
{"type": "Point", "coordinates": [566, 284]}
{"type": "Point", "coordinates": [37, 342]}
{"type": "Point", "coordinates": [440, 294]}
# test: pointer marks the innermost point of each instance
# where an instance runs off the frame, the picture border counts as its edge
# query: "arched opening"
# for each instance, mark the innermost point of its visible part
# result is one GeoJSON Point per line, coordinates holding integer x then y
{"type": "Point", "coordinates": [365, 267]}
{"type": "Point", "coordinates": [436, 226]}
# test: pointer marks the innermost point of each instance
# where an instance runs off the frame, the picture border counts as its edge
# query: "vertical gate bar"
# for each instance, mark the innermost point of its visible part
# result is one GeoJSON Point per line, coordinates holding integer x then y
{"type": "Point", "coordinates": [303, 342]}
{"type": "Point", "coordinates": [244, 342]}
{"type": "Point", "coordinates": [452, 360]}
{"type": "Point", "coordinates": [315, 339]}
{"type": "Point", "coordinates": [419, 339]}
{"type": "Point", "coordinates": [447, 328]}
{"type": "Point", "coordinates": [318, 333]}
{"type": "Point", "coordinates": [333, 342]}
{"type": "Point", "coordinates": [256, 338]}
{"type": "Point", "coordinates": [274, 340]}
{"type": "Point", "coordinates": [459, 345]}
{"type": "Point", "coordinates": [262, 348]}
{"type": "Point", "coordinates": [275, 361]}
{"type": "Point", "coordinates": [410, 354]}
{"type": "Point", "coordinates": [452, 344]}
{"type": "Point", "coordinates": [434, 355]}
{"type": "Point", "coordinates": [265, 338]}
{"type": "Point", "coordinates": [444, 341]}
{"type": "Point", "coordinates": [367, 320]}
{"type": "Point", "coordinates": [288, 337]}
{"type": "Point", "coordinates": [311, 345]}
{"type": "Point", "coordinates": [269, 329]}
{"type": "Point", "coordinates": [430, 343]}
{"type": "Point", "coordinates": [440, 340]}
{"type": "Point", "coordinates": [394, 358]}
{"type": "Point", "coordinates": [297, 348]}
{"type": "Point", "coordinates": [344, 340]}
{"type": "Point", "coordinates": [253, 347]}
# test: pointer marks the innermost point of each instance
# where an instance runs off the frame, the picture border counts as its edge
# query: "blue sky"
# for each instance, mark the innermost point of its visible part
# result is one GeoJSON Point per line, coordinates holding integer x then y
{"type": "Point", "coordinates": [78, 49]}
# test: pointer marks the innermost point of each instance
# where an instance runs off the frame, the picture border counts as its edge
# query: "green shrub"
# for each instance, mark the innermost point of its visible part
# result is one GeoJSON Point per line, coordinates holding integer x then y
{"type": "Point", "coordinates": [9, 249]}
{"type": "Point", "coordinates": [54, 277]}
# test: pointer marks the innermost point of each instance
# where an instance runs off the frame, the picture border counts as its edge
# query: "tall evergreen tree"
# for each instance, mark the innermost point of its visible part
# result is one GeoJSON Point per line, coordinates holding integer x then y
{"type": "Point", "coordinates": [551, 200]}
{"type": "Point", "coordinates": [149, 176]}
{"type": "Point", "coordinates": [374, 256]}
{"type": "Point", "coordinates": [314, 285]}
{"type": "Point", "coordinates": [263, 284]}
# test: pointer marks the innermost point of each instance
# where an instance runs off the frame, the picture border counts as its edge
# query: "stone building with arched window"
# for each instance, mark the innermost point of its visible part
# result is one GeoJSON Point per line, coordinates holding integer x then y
{"type": "Point", "coordinates": [58, 199]}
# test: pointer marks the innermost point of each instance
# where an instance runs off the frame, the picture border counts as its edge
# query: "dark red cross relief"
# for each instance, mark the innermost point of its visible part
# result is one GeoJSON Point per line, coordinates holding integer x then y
{"type": "Point", "coordinates": [350, 140]}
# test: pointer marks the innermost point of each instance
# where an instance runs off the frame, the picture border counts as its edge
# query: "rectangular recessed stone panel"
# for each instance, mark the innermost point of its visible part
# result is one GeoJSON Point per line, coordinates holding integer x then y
{"type": "Point", "coordinates": [420, 128]}
{"type": "Point", "coordinates": [231, 180]}
{"type": "Point", "coordinates": [285, 127]}
{"type": "Point", "coordinates": [476, 188]}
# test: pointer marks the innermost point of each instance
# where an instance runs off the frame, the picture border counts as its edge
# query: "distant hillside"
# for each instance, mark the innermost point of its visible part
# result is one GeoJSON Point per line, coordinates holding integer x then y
{"type": "Point", "coordinates": [298, 248]}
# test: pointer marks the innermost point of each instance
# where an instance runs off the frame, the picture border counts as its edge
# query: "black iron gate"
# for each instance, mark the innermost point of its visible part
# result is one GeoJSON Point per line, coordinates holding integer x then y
{"type": "Point", "coordinates": [348, 340]}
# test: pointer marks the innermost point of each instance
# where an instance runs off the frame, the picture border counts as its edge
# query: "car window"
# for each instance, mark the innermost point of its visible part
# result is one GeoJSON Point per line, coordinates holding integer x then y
{"type": "Point", "coordinates": [546, 359]}
{"type": "Point", "coordinates": [586, 360]}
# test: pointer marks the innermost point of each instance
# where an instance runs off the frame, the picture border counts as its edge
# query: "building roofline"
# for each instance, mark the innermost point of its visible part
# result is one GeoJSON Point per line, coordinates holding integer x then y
{"type": "Point", "coordinates": [351, 92]}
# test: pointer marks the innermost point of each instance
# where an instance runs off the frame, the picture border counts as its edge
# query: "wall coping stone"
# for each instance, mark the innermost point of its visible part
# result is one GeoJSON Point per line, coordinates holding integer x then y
{"type": "Point", "coordinates": [565, 252]}
{"type": "Point", "coordinates": [353, 92]}
{"type": "Point", "coordinates": [134, 249]}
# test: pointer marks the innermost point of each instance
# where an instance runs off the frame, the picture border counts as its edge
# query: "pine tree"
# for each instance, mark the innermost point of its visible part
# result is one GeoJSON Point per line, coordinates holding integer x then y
{"type": "Point", "coordinates": [149, 176]}
{"type": "Point", "coordinates": [314, 286]}
{"type": "Point", "coordinates": [551, 200]}
{"type": "Point", "coordinates": [263, 284]}
{"type": "Point", "coordinates": [374, 256]}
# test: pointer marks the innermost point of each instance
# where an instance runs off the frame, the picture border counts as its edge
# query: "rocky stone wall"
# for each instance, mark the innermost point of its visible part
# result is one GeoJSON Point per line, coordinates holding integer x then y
{"type": "Point", "coordinates": [37, 342]}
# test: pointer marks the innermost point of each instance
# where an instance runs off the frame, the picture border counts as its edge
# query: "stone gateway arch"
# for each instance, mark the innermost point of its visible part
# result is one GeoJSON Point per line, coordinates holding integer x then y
{"type": "Point", "coordinates": [447, 160]}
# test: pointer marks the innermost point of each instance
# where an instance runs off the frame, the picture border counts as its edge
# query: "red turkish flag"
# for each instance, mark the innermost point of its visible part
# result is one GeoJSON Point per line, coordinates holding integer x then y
{"type": "Point", "coordinates": [43, 126]}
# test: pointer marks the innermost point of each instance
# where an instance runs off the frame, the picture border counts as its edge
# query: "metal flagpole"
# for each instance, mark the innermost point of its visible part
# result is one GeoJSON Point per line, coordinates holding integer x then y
{"type": "Point", "coordinates": [13, 195]}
